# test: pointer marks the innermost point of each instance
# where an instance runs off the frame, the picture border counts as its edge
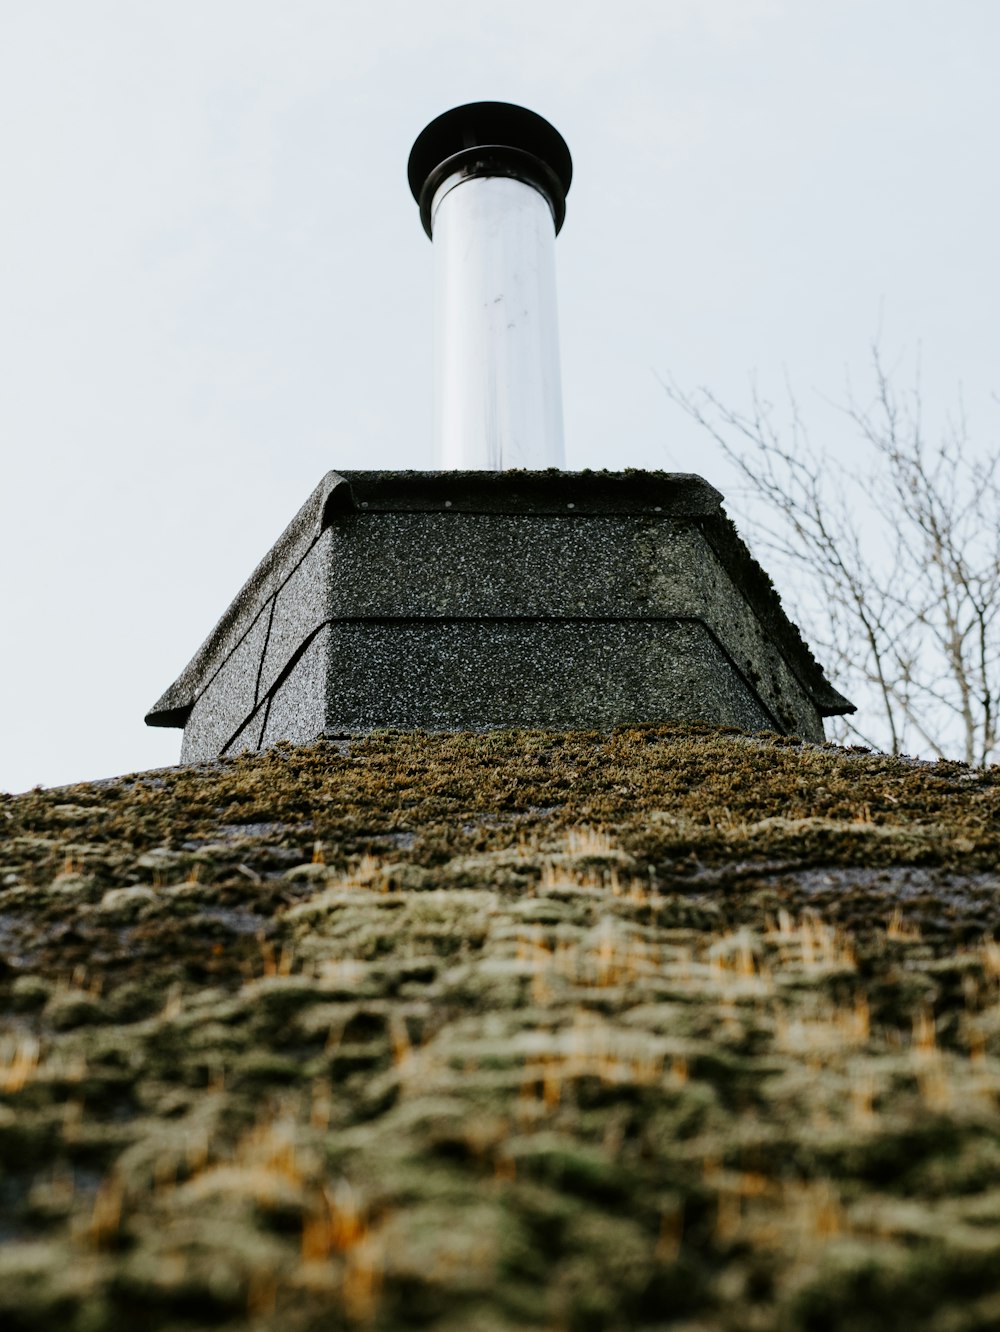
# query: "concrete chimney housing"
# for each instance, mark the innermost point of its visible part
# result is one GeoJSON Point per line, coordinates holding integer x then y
{"type": "Point", "coordinates": [499, 590]}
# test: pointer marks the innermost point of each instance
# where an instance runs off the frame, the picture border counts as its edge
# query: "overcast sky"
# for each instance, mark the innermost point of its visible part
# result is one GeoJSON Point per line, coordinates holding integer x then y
{"type": "Point", "coordinates": [214, 286]}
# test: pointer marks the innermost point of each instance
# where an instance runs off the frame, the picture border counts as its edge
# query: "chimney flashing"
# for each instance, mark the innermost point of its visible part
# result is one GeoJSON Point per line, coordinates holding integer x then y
{"type": "Point", "coordinates": [366, 553]}
{"type": "Point", "coordinates": [547, 492]}
{"type": "Point", "coordinates": [174, 706]}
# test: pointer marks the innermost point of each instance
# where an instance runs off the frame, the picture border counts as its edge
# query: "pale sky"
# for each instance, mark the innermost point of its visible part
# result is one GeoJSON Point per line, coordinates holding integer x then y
{"type": "Point", "coordinates": [214, 286]}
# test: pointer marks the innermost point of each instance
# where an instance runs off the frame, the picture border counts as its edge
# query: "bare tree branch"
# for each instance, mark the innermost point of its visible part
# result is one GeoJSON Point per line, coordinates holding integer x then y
{"type": "Point", "coordinates": [896, 571]}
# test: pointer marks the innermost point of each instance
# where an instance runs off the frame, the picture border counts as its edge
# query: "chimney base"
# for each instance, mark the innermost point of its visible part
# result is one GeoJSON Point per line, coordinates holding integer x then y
{"type": "Point", "coordinates": [482, 600]}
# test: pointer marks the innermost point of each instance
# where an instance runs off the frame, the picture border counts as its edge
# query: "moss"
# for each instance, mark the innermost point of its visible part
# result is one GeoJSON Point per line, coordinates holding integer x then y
{"type": "Point", "coordinates": [657, 1027]}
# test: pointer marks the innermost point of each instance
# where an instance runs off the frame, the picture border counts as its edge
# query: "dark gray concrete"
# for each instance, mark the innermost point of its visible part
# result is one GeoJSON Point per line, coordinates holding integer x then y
{"type": "Point", "coordinates": [471, 600]}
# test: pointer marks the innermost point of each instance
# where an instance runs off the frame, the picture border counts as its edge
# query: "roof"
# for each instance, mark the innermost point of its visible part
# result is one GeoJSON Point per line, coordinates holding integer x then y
{"type": "Point", "coordinates": [592, 1030]}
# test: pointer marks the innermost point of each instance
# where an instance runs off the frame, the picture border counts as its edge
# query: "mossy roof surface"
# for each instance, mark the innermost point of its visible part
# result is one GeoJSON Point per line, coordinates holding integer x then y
{"type": "Point", "coordinates": [664, 1028]}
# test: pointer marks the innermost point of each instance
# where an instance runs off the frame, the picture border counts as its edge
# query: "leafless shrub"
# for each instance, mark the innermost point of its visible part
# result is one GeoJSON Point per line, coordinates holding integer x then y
{"type": "Point", "coordinates": [893, 568]}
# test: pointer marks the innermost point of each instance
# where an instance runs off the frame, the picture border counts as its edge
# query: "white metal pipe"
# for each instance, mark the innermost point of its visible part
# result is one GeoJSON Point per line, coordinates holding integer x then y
{"type": "Point", "coordinates": [497, 393]}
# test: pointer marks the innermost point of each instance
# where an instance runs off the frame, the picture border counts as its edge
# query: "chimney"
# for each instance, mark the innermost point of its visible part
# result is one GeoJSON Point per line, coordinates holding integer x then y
{"type": "Point", "coordinates": [491, 180]}
{"type": "Point", "coordinates": [501, 590]}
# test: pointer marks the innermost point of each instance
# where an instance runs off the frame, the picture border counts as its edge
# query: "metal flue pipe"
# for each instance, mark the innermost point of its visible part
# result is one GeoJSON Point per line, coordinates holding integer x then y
{"type": "Point", "coordinates": [491, 181]}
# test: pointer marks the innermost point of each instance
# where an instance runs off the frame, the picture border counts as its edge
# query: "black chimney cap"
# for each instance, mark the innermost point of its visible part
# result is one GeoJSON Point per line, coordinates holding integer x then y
{"type": "Point", "coordinates": [462, 134]}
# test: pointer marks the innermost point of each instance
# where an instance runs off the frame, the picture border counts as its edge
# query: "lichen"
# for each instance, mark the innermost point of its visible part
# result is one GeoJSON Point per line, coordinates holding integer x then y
{"type": "Point", "coordinates": [665, 1027]}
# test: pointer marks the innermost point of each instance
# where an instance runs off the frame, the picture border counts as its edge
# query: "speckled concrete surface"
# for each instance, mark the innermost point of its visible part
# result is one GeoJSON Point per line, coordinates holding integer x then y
{"type": "Point", "coordinates": [485, 675]}
{"type": "Point", "coordinates": [574, 574]}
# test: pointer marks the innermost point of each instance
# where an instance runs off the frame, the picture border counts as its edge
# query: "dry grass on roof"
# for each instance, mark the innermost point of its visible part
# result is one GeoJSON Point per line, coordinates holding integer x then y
{"type": "Point", "coordinates": [670, 1027]}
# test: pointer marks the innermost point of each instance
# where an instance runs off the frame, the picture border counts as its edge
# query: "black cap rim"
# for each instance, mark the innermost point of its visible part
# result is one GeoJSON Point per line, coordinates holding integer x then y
{"type": "Point", "coordinates": [479, 132]}
{"type": "Point", "coordinates": [495, 160]}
